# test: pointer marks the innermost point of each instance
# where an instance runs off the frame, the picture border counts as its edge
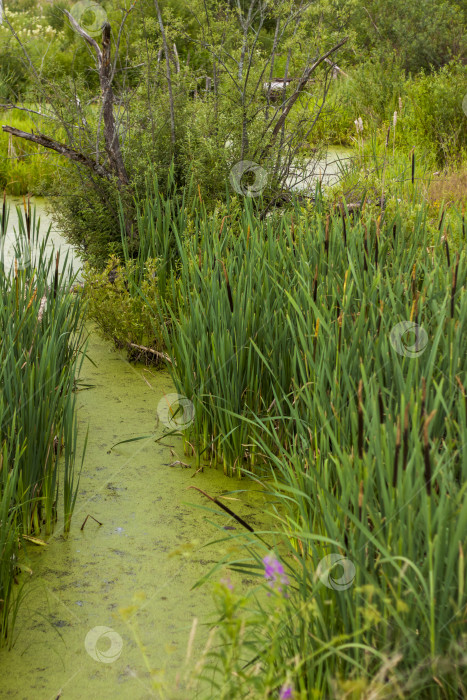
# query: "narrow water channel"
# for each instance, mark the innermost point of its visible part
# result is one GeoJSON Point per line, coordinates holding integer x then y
{"type": "Point", "coordinates": [55, 240]}
{"type": "Point", "coordinates": [148, 552]}
{"type": "Point", "coordinates": [150, 545]}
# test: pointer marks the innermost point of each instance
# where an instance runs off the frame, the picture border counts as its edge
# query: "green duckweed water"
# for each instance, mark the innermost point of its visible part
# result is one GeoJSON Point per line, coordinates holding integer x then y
{"type": "Point", "coordinates": [150, 544]}
{"type": "Point", "coordinates": [55, 241]}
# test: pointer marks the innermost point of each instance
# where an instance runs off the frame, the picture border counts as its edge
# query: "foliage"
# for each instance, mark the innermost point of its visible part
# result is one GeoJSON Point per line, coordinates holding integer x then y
{"type": "Point", "coordinates": [122, 315]}
{"type": "Point", "coordinates": [424, 34]}
{"type": "Point", "coordinates": [24, 167]}
{"type": "Point", "coordinates": [434, 117]}
{"type": "Point", "coordinates": [286, 337]}
{"type": "Point", "coordinates": [42, 337]}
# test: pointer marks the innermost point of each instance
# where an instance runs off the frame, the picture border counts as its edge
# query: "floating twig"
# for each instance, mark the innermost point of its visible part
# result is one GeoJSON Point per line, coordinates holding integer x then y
{"type": "Point", "coordinates": [86, 520]}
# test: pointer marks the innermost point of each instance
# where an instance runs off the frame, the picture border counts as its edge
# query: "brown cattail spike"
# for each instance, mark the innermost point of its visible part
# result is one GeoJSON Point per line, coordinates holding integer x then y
{"type": "Point", "coordinates": [426, 453]}
{"type": "Point", "coordinates": [365, 247]}
{"type": "Point", "coordinates": [56, 273]}
{"type": "Point", "coordinates": [446, 245]}
{"type": "Point", "coordinates": [464, 394]}
{"type": "Point", "coordinates": [315, 284]}
{"type": "Point", "coordinates": [380, 407]}
{"type": "Point", "coordinates": [360, 419]}
{"type": "Point", "coordinates": [229, 291]}
{"type": "Point", "coordinates": [454, 285]}
{"type": "Point", "coordinates": [344, 228]}
{"type": "Point", "coordinates": [405, 438]}
{"type": "Point", "coordinates": [423, 410]}
{"type": "Point", "coordinates": [396, 453]}
{"type": "Point", "coordinates": [326, 236]}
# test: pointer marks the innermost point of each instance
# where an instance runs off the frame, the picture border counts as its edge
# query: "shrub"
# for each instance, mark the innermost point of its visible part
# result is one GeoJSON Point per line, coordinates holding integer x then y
{"type": "Point", "coordinates": [123, 314]}
{"type": "Point", "coordinates": [434, 118]}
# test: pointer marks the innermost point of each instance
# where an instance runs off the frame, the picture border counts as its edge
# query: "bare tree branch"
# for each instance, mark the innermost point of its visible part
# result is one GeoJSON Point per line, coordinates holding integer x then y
{"type": "Point", "coordinates": [61, 148]}
{"type": "Point", "coordinates": [300, 87]}
{"type": "Point", "coordinates": [168, 73]}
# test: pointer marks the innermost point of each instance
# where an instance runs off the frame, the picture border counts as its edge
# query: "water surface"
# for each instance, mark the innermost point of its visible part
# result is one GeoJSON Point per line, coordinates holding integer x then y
{"type": "Point", "coordinates": [150, 544]}
{"type": "Point", "coordinates": [55, 240]}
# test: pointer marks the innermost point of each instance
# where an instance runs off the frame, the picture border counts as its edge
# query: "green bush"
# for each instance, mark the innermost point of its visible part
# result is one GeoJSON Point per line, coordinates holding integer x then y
{"type": "Point", "coordinates": [123, 314]}
{"type": "Point", "coordinates": [24, 166]}
{"type": "Point", "coordinates": [433, 116]}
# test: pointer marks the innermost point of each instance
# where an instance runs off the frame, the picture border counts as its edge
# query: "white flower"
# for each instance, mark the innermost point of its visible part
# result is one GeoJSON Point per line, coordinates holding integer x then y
{"type": "Point", "coordinates": [359, 125]}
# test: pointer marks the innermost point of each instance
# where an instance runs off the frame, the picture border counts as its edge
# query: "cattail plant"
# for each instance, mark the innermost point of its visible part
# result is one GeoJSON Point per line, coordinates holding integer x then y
{"type": "Point", "coordinates": [42, 338]}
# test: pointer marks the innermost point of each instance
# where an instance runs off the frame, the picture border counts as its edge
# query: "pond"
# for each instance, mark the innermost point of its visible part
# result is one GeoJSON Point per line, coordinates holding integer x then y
{"type": "Point", "coordinates": [144, 540]}
{"type": "Point", "coordinates": [327, 169]}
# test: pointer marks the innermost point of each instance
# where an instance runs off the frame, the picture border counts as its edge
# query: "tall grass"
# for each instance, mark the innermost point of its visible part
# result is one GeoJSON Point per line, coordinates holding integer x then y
{"type": "Point", "coordinates": [285, 336]}
{"type": "Point", "coordinates": [41, 327]}
{"type": "Point", "coordinates": [324, 353]}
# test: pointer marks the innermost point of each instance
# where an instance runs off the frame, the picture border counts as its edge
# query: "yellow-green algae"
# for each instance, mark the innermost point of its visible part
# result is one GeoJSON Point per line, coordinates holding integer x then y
{"type": "Point", "coordinates": [150, 542]}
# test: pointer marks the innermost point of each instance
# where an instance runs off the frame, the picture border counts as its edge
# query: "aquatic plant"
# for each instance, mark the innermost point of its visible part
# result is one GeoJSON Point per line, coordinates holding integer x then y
{"type": "Point", "coordinates": [324, 352]}
{"type": "Point", "coordinates": [41, 326]}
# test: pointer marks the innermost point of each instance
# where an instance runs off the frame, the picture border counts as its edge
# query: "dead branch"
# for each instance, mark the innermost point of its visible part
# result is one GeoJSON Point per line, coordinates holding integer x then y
{"type": "Point", "coordinates": [301, 86]}
{"type": "Point", "coordinates": [105, 70]}
{"type": "Point", "coordinates": [61, 148]}
{"type": "Point", "coordinates": [168, 73]}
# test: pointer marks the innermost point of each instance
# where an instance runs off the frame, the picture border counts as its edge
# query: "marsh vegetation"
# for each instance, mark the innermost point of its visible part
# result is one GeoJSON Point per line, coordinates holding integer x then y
{"type": "Point", "coordinates": [316, 331]}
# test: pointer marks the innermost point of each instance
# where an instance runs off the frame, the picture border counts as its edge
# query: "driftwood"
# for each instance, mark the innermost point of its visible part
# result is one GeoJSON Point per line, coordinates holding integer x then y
{"type": "Point", "coordinates": [143, 348]}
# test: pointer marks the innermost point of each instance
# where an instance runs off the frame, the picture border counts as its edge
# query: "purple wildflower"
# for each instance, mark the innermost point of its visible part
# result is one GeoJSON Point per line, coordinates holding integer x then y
{"type": "Point", "coordinates": [227, 583]}
{"type": "Point", "coordinates": [286, 692]}
{"type": "Point", "coordinates": [274, 572]}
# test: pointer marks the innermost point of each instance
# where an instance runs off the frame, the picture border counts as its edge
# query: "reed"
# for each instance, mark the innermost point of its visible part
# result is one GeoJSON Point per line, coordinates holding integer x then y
{"type": "Point", "coordinates": [282, 336]}
{"type": "Point", "coordinates": [41, 326]}
{"type": "Point", "coordinates": [284, 331]}
{"type": "Point", "coordinates": [242, 339]}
